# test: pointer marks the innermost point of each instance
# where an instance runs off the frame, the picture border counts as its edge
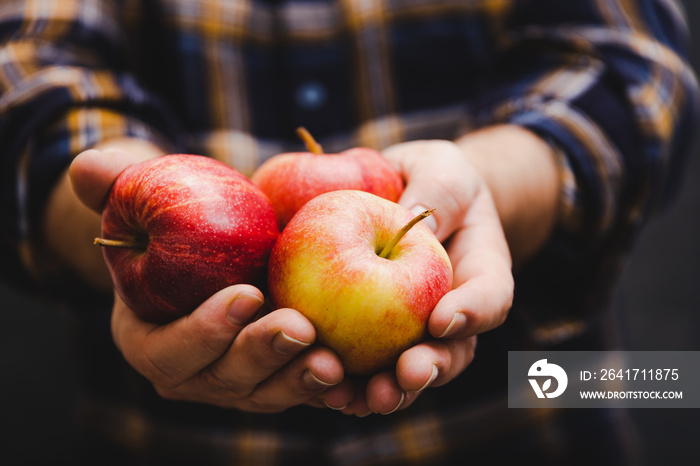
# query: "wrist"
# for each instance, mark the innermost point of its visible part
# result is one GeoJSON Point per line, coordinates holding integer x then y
{"type": "Point", "coordinates": [69, 226]}
{"type": "Point", "coordinates": [521, 170]}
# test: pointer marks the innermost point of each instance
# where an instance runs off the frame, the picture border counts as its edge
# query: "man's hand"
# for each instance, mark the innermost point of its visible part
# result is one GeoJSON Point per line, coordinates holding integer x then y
{"type": "Point", "coordinates": [439, 175]}
{"type": "Point", "coordinates": [458, 179]}
{"type": "Point", "coordinates": [222, 355]}
{"type": "Point", "coordinates": [219, 354]}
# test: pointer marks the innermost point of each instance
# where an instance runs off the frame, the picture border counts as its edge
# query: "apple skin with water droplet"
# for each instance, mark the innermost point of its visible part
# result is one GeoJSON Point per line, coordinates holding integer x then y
{"type": "Point", "coordinates": [194, 226]}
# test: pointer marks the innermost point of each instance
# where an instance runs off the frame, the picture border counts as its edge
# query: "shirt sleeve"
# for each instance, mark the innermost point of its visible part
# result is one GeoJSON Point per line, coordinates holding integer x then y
{"type": "Point", "coordinates": [608, 84]}
{"type": "Point", "coordinates": [65, 85]}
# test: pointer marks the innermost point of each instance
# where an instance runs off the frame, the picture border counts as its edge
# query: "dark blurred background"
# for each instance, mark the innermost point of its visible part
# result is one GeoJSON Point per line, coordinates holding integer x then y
{"type": "Point", "coordinates": [660, 293]}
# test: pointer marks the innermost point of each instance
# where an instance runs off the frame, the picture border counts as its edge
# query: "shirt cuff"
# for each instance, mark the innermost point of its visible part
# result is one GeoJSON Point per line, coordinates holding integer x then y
{"type": "Point", "coordinates": [45, 159]}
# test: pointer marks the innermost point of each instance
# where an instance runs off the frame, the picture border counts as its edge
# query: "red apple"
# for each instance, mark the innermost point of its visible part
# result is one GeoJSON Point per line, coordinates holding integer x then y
{"type": "Point", "coordinates": [292, 179]}
{"type": "Point", "coordinates": [178, 228]}
{"type": "Point", "coordinates": [364, 272]}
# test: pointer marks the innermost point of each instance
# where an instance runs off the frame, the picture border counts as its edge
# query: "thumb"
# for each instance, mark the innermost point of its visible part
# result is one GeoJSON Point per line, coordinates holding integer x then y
{"type": "Point", "coordinates": [438, 176]}
{"type": "Point", "coordinates": [171, 353]}
{"type": "Point", "coordinates": [93, 172]}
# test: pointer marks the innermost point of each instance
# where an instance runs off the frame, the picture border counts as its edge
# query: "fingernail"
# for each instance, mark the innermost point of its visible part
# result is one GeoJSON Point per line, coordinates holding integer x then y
{"type": "Point", "coordinates": [430, 221]}
{"type": "Point", "coordinates": [459, 322]}
{"type": "Point", "coordinates": [403, 397]}
{"type": "Point", "coordinates": [314, 382]}
{"type": "Point", "coordinates": [363, 415]}
{"type": "Point", "coordinates": [431, 379]}
{"type": "Point", "coordinates": [243, 307]}
{"type": "Point", "coordinates": [335, 408]}
{"type": "Point", "coordinates": [286, 345]}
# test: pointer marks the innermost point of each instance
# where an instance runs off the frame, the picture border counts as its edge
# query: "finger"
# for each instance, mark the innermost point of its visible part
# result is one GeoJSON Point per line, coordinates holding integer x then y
{"type": "Point", "coordinates": [299, 382]}
{"type": "Point", "coordinates": [261, 349]}
{"type": "Point", "coordinates": [358, 406]}
{"type": "Point", "coordinates": [384, 395]}
{"type": "Point", "coordinates": [93, 172]}
{"type": "Point", "coordinates": [482, 270]}
{"type": "Point", "coordinates": [430, 363]}
{"type": "Point", "coordinates": [437, 176]}
{"type": "Point", "coordinates": [433, 363]}
{"type": "Point", "coordinates": [479, 305]}
{"type": "Point", "coordinates": [169, 354]}
{"type": "Point", "coordinates": [304, 378]}
{"type": "Point", "coordinates": [337, 397]}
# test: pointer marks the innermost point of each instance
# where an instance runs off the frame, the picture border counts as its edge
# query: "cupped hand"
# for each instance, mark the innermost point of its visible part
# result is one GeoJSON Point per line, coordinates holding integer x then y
{"type": "Point", "coordinates": [439, 175]}
{"type": "Point", "coordinates": [221, 354]}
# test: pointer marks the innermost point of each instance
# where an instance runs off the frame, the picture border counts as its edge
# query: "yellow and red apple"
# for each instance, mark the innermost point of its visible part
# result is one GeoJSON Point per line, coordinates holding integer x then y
{"type": "Point", "coordinates": [364, 272]}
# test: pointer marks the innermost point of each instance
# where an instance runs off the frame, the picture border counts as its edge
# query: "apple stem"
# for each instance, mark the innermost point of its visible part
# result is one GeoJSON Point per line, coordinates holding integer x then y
{"type": "Point", "coordinates": [397, 237]}
{"type": "Point", "coordinates": [114, 243]}
{"type": "Point", "coordinates": [311, 144]}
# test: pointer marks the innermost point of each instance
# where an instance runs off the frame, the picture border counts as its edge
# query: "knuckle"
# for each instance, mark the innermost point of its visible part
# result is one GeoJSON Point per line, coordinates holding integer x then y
{"type": "Point", "coordinates": [264, 361]}
{"type": "Point", "coordinates": [168, 393]}
{"type": "Point", "coordinates": [509, 293]}
{"type": "Point", "coordinates": [206, 337]}
{"type": "Point", "coordinates": [156, 370]}
{"type": "Point", "coordinates": [460, 356]}
{"type": "Point", "coordinates": [470, 351]}
{"type": "Point", "coordinates": [303, 390]}
{"type": "Point", "coordinates": [212, 379]}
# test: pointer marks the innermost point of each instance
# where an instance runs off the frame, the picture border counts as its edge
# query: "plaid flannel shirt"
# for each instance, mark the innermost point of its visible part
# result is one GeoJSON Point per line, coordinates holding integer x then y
{"type": "Point", "coordinates": [606, 82]}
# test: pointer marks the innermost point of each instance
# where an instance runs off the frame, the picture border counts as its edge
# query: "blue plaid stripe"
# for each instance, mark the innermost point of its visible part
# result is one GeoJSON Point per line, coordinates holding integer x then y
{"type": "Point", "coordinates": [605, 81]}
